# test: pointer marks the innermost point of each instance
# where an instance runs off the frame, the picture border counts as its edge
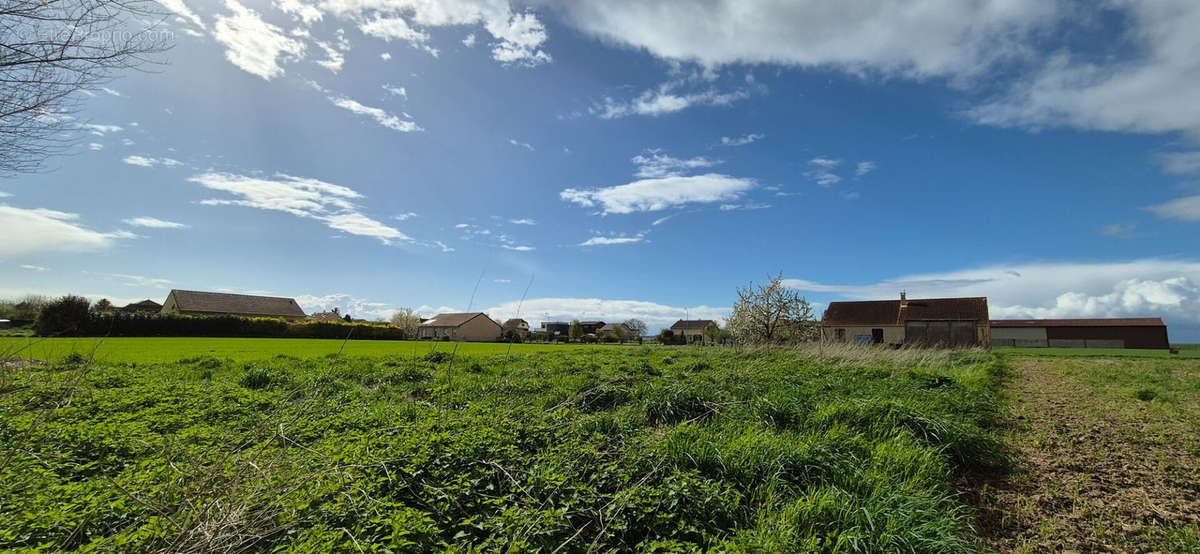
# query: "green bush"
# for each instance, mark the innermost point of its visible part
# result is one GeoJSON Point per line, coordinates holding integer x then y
{"type": "Point", "coordinates": [121, 324]}
{"type": "Point", "coordinates": [65, 316]}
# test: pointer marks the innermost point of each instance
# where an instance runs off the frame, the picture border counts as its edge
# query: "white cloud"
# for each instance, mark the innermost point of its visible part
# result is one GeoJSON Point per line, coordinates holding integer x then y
{"type": "Point", "coordinates": [1180, 163]}
{"type": "Point", "coordinates": [864, 168]}
{"type": "Point", "coordinates": [302, 197]}
{"type": "Point", "coordinates": [665, 100]}
{"type": "Point", "coordinates": [443, 246]}
{"type": "Point", "coordinates": [347, 304]}
{"type": "Point", "coordinates": [112, 92]}
{"type": "Point", "coordinates": [519, 36]}
{"type": "Point", "coordinates": [520, 144]}
{"type": "Point", "coordinates": [742, 140]}
{"type": "Point", "coordinates": [469, 42]}
{"type": "Point", "coordinates": [607, 241]}
{"type": "Point", "coordinates": [821, 171]}
{"type": "Point", "coordinates": [662, 220]}
{"type": "Point", "coordinates": [396, 91]}
{"type": "Point", "coordinates": [101, 130]}
{"type": "Point", "coordinates": [385, 56]}
{"type": "Point", "coordinates": [95, 146]}
{"type": "Point", "coordinates": [919, 38]}
{"type": "Point", "coordinates": [744, 207]}
{"type": "Point", "coordinates": [1118, 230]}
{"type": "Point", "coordinates": [462, 226]}
{"type": "Point", "coordinates": [648, 195]}
{"type": "Point", "coordinates": [406, 216]}
{"type": "Point", "coordinates": [299, 10]}
{"type": "Point", "coordinates": [522, 221]}
{"type": "Point", "coordinates": [134, 280]}
{"type": "Point", "coordinates": [34, 267]}
{"type": "Point", "coordinates": [153, 222]}
{"type": "Point", "coordinates": [180, 9]}
{"type": "Point", "coordinates": [654, 163]}
{"type": "Point", "coordinates": [1153, 91]}
{"type": "Point", "coordinates": [1134, 288]}
{"type": "Point", "coordinates": [5, 194]}
{"type": "Point", "coordinates": [45, 230]}
{"type": "Point", "coordinates": [502, 281]}
{"type": "Point", "coordinates": [537, 310]}
{"type": "Point", "coordinates": [380, 116]}
{"type": "Point", "coordinates": [1186, 208]}
{"type": "Point", "coordinates": [519, 248]}
{"type": "Point", "coordinates": [254, 45]}
{"type": "Point", "coordinates": [143, 161]}
{"type": "Point", "coordinates": [334, 57]}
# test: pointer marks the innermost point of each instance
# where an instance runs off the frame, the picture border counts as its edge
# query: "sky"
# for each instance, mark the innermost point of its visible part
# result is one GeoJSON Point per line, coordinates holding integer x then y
{"type": "Point", "coordinates": [608, 159]}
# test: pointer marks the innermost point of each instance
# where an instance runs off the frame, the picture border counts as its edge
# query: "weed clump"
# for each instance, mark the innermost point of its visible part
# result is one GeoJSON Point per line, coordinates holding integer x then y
{"type": "Point", "coordinates": [677, 403]}
{"type": "Point", "coordinates": [1145, 395]}
{"type": "Point", "coordinates": [436, 357]}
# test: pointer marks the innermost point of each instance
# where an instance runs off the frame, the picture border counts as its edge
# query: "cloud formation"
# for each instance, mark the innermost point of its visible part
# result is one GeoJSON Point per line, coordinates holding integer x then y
{"type": "Point", "coordinates": [1148, 287]}
{"type": "Point", "coordinates": [143, 161]}
{"type": "Point", "coordinates": [742, 140]}
{"type": "Point", "coordinates": [254, 45]}
{"type": "Point", "coordinates": [648, 195]}
{"type": "Point", "coordinates": [301, 197]}
{"type": "Point", "coordinates": [380, 116]}
{"type": "Point", "coordinates": [153, 223]}
{"type": "Point", "coordinates": [45, 231]}
{"type": "Point", "coordinates": [654, 163]}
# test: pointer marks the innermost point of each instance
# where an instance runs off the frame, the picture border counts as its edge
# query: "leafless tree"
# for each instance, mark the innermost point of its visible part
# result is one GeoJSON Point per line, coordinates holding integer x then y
{"type": "Point", "coordinates": [637, 327]}
{"type": "Point", "coordinates": [52, 53]}
{"type": "Point", "coordinates": [407, 319]}
{"type": "Point", "coordinates": [771, 314]}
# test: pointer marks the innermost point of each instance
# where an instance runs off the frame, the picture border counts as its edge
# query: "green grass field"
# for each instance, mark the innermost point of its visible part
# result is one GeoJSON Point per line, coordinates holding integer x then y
{"type": "Point", "coordinates": [1186, 351]}
{"type": "Point", "coordinates": [556, 449]}
{"type": "Point", "coordinates": [171, 349]}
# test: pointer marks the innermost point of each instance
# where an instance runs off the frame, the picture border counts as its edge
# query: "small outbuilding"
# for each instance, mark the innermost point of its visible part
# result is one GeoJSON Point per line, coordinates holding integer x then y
{"type": "Point", "coordinates": [1128, 332]}
{"type": "Point", "coordinates": [468, 326]}
{"type": "Point", "coordinates": [191, 302]}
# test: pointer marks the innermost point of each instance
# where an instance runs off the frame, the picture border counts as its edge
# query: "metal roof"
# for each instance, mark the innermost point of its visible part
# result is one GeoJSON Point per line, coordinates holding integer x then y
{"type": "Point", "coordinates": [1105, 322]}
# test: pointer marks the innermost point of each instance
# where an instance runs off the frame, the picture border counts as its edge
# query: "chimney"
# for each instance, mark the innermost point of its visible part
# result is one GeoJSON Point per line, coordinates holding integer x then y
{"type": "Point", "coordinates": [335, 307]}
{"type": "Point", "coordinates": [903, 300]}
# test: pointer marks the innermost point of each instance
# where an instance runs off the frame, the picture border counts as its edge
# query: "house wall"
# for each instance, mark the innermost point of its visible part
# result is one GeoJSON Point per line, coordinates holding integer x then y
{"type": "Point", "coordinates": [1133, 336]}
{"type": "Point", "coordinates": [892, 334]}
{"type": "Point", "coordinates": [480, 328]}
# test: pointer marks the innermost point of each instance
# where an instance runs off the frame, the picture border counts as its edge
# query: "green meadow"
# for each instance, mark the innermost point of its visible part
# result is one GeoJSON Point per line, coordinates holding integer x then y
{"type": "Point", "coordinates": [201, 445]}
{"type": "Point", "coordinates": [169, 349]}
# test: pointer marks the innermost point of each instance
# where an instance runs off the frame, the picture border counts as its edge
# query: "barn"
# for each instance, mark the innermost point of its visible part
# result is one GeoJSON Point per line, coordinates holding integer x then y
{"type": "Point", "coordinates": [1129, 332]}
{"type": "Point", "coordinates": [953, 322]}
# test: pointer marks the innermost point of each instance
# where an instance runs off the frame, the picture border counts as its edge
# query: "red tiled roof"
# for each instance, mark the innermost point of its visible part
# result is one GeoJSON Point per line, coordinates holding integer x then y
{"type": "Point", "coordinates": [888, 312]}
{"type": "Point", "coordinates": [1109, 322]}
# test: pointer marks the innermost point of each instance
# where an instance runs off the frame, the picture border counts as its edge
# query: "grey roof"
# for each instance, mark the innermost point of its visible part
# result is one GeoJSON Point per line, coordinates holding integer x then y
{"type": "Point", "coordinates": [243, 304]}
{"type": "Point", "coordinates": [689, 324]}
{"type": "Point", "coordinates": [451, 320]}
{"type": "Point", "coordinates": [146, 305]}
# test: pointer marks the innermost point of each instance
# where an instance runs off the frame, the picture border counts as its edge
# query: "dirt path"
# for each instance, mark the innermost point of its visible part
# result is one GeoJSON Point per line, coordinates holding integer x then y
{"type": "Point", "coordinates": [1097, 471]}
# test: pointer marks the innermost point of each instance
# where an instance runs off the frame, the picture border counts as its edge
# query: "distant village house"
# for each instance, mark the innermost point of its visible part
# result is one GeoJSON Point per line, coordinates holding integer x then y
{"type": "Point", "coordinates": [190, 302]}
{"type": "Point", "coordinates": [695, 331]}
{"type": "Point", "coordinates": [469, 326]}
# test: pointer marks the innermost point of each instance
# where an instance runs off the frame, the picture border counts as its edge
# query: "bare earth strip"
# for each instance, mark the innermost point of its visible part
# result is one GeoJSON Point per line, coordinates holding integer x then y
{"type": "Point", "coordinates": [1107, 459]}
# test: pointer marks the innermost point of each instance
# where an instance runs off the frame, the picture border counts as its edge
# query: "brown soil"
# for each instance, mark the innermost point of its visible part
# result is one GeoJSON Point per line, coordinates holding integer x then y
{"type": "Point", "coordinates": [17, 362]}
{"type": "Point", "coordinates": [1088, 477]}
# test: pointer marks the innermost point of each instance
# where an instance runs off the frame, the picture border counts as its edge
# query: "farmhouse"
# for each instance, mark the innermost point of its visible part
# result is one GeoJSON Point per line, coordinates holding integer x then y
{"type": "Point", "coordinates": [190, 302]}
{"type": "Point", "coordinates": [469, 326]}
{"type": "Point", "coordinates": [332, 315]}
{"type": "Point", "coordinates": [931, 321]}
{"type": "Point", "coordinates": [147, 305]}
{"type": "Point", "coordinates": [557, 328]}
{"type": "Point", "coordinates": [699, 331]}
{"type": "Point", "coordinates": [1132, 332]}
{"type": "Point", "coordinates": [617, 329]}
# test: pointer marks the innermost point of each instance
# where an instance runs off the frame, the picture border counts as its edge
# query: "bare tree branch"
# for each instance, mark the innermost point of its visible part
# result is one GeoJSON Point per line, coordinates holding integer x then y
{"type": "Point", "coordinates": [51, 53]}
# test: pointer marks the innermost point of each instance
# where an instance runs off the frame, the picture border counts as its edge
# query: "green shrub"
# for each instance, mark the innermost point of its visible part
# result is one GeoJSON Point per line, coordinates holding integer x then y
{"type": "Point", "coordinates": [65, 316]}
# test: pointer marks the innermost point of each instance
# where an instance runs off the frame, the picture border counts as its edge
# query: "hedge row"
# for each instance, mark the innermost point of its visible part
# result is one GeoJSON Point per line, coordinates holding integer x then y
{"type": "Point", "coordinates": [155, 325]}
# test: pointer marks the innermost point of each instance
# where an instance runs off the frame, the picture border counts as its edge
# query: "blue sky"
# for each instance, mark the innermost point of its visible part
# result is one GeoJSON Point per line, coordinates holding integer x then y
{"type": "Point", "coordinates": [637, 161]}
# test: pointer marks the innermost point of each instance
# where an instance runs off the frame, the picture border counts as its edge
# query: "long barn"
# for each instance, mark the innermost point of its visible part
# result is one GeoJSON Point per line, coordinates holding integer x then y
{"type": "Point", "coordinates": [1130, 332]}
